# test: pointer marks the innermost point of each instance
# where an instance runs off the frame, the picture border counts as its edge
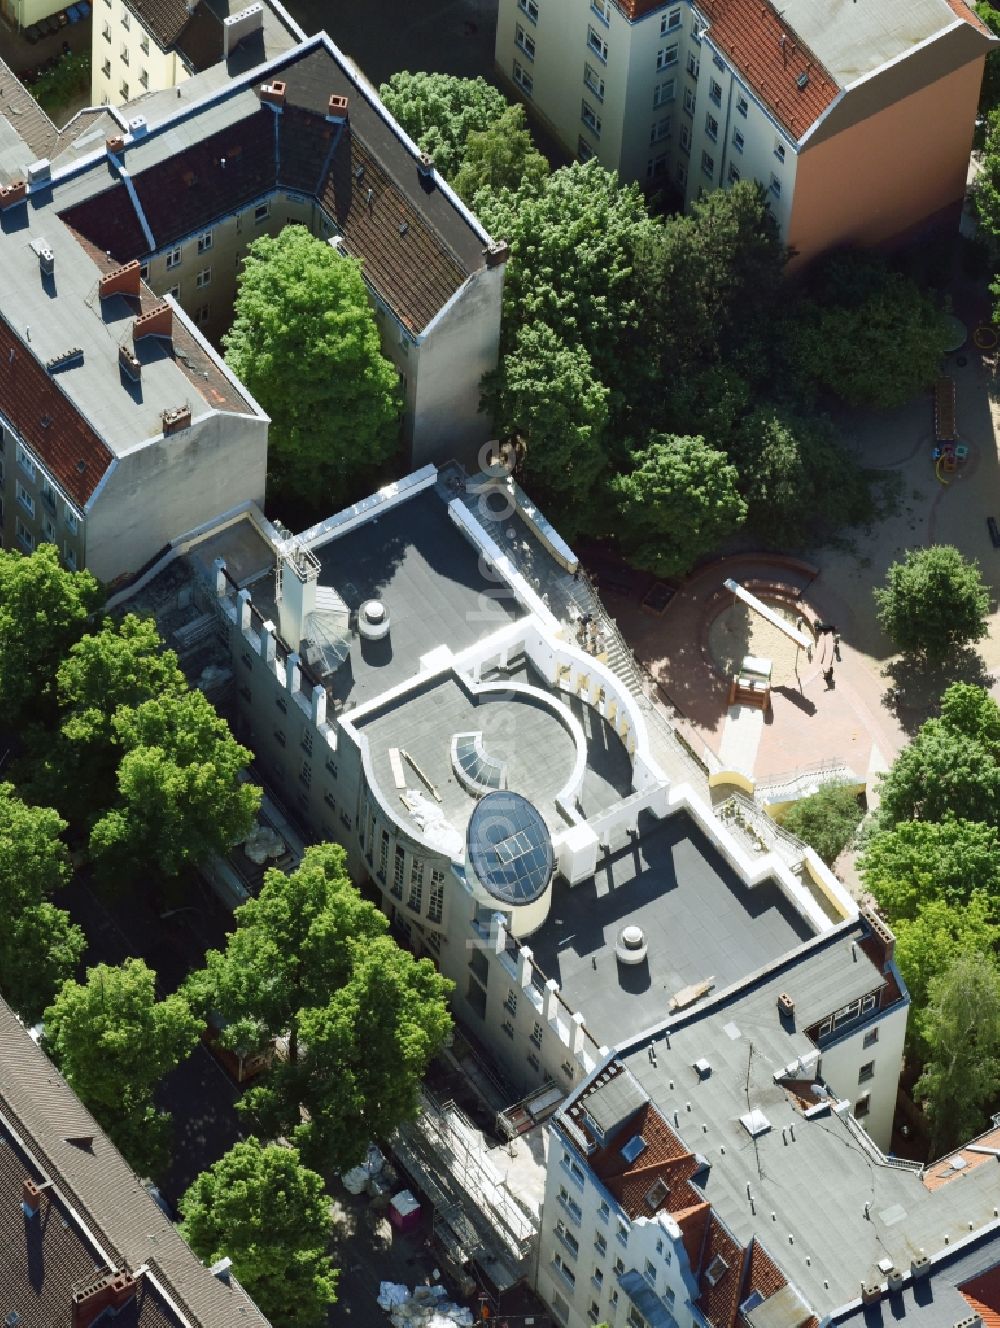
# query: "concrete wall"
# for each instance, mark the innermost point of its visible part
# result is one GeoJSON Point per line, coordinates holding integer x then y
{"type": "Point", "coordinates": [461, 345]}
{"type": "Point", "coordinates": [842, 1064]}
{"type": "Point", "coordinates": [171, 484]}
{"type": "Point", "coordinates": [885, 175]}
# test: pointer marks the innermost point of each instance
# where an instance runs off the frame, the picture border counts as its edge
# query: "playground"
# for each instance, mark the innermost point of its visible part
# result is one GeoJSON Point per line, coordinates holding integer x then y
{"type": "Point", "coordinates": [845, 703]}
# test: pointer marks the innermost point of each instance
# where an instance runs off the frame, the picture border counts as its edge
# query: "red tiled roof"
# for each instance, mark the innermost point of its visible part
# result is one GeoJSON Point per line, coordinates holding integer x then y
{"type": "Point", "coordinates": [165, 19]}
{"type": "Point", "coordinates": [763, 1275]}
{"type": "Point", "coordinates": [983, 1295]}
{"type": "Point", "coordinates": [943, 1173]}
{"type": "Point", "coordinates": [49, 423]}
{"type": "Point", "coordinates": [692, 1222]}
{"type": "Point", "coordinates": [758, 42]}
{"type": "Point", "coordinates": [720, 1297]}
{"type": "Point", "coordinates": [967, 13]}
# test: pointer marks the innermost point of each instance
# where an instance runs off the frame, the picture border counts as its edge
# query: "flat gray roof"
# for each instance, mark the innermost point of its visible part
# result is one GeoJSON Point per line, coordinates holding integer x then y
{"type": "Point", "coordinates": [817, 1184]}
{"type": "Point", "coordinates": [853, 39]}
{"type": "Point", "coordinates": [699, 920]}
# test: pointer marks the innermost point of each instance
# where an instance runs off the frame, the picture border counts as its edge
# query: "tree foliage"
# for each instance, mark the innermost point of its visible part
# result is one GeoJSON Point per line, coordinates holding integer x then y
{"type": "Point", "coordinates": [114, 1041]}
{"type": "Point", "coordinates": [291, 947]}
{"type": "Point", "coordinates": [440, 111]}
{"type": "Point", "coordinates": [678, 502]}
{"type": "Point", "coordinates": [933, 601]}
{"type": "Point", "coordinates": [39, 946]}
{"type": "Point", "coordinates": [501, 156]}
{"type": "Point", "coordinates": [931, 940]}
{"type": "Point", "coordinates": [260, 1206]}
{"type": "Point", "coordinates": [43, 611]}
{"type": "Point", "coordinates": [180, 796]}
{"type": "Point", "coordinates": [918, 861]}
{"type": "Point", "coordinates": [952, 766]}
{"type": "Point", "coordinates": [305, 342]}
{"type": "Point", "coordinates": [961, 1078]}
{"type": "Point", "coordinates": [826, 820]}
{"type": "Point", "coordinates": [870, 335]}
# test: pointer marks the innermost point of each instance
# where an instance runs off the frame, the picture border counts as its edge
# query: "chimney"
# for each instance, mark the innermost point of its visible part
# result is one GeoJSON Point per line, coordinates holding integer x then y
{"type": "Point", "coordinates": [273, 93]}
{"type": "Point", "coordinates": [920, 1266]}
{"type": "Point", "coordinates": [176, 419]}
{"type": "Point", "coordinates": [122, 280]}
{"type": "Point", "coordinates": [115, 144]}
{"type": "Point", "coordinates": [336, 109]}
{"type": "Point", "coordinates": [221, 1269]}
{"type": "Point", "coordinates": [39, 172]}
{"type": "Point", "coordinates": [238, 27]}
{"type": "Point", "coordinates": [104, 1291]}
{"type": "Point", "coordinates": [871, 1293]}
{"type": "Point", "coordinates": [64, 359]}
{"type": "Point", "coordinates": [31, 1198]}
{"type": "Point", "coordinates": [129, 363]}
{"type": "Point", "coordinates": [497, 254]}
{"type": "Point", "coordinates": [13, 193]}
{"type": "Point", "coordinates": [157, 322]}
{"type": "Point", "coordinates": [882, 934]}
{"type": "Point", "coordinates": [786, 1006]}
{"type": "Point", "coordinates": [137, 128]}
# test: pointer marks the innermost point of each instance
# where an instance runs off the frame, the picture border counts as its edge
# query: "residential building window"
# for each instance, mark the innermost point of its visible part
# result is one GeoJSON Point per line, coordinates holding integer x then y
{"type": "Point", "coordinates": [602, 8]}
{"type": "Point", "coordinates": [124, 54]}
{"type": "Point", "coordinates": [123, 91]}
{"type": "Point", "coordinates": [594, 81]}
{"type": "Point", "coordinates": [685, 138]}
{"type": "Point", "coordinates": [205, 242]}
{"type": "Point", "coordinates": [689, 99]}
{"type": "Point", "coordinates": [597, 43]}
{"type": "Point", "coordinates": [306, 774]}
{"type": "Point", "coordinates": [174, 292]}
{"type": "Point", "coordinates": [508, 1028]}
{"type": "Point", "coordinates": [622, 1232]}
{"type": "Point", "coordinates": [738, 140]}
{"type": "Point", "coordinates": [279, 737]}
{"type": "Point", "coordinates": [331, 802]}
{"type": "Point", "coordinates": [682, 173]}
{"type": "Point", "coordinates": [659, 130]}
{"type": "Point", "coordinates": [383, 856]}
{"type": "Point", "coordinates": [866, 1072]}
{"type": "Point", "coordinates": [619, 1267]}
{"type": "Point", "coordinates": [203, 278]}
{"type": "Point", "coordinates": [126, 21]}
{"type": "Point", "coordinates": [567, 1238]}
{"type": "Point", "coordinates": [584, 151]}
{"type": "Point", "coordinates": [69, 557]}
{"type": "Point", "coordinates": [530, 8]}
{"type": "Point", "coordinates": [48, 495]}
{"type": "Point", "coordinates": [574, 1168]}
{"type": "Point", "coordinates": [590, 118]}
{"type": "Point", "coordinates": [667, 56]}
{"type": "Point", "coordinates": [144, 46]}
{"type": "Point", "coordinates": [523, 79]}
{"type": "Point", "coordinates": [697, 34]}
{"type": "Point", "coordinates": [415, 899]}
{"type": "Point", "coordinates": [398, 868]}
{"type": "Point", "coordinates": [24, 536]}
{"type": "Point", "coordinates": [734, 173]}
{"type": "Point", "coordinates": [779, 149]}
{"type": "Point", "coordinates": [25, 499]}
{"type": "Point", "coordinates": [202, 314]}
{"type": "Point", "coordinates": [536, 1035]}
{"type": "Point", "coordinates": [712, 127]}
{"type": "Point", "coordinates": [863, 1106]}
{"type": "Point", "coordinates": [144, 78]}
{"type": "Point", "coordinates": [560, 1309]}
{"type": "Point", "coordinates": [533, 1061]}
{"type": "Point", "coordinates": [715, 92]}
{"type": "Point", "coordinates": [307, 740]}
{"type": "Point", "coordinates": [25, 462]}
{"type": "Point", "coordinates": [743, 106]}
{"type": "Point", "coordinates": [604, 1211]}
{"type": "Point", "coordinates": [173, 259]}
{"type": "Point", "coordinates": [693, 64]}
{"type": "Point", "coordinates": [871, 1037]}
{"type": "Point", "coordinates": [635, 1319]}
{"type": "Point", "coordinates": [663, 92]}
{"type": "Point", "coordinates": [106, 69]}
{"type": "Point", "coordinates": [106, 32]}
{"type": "Point", "coordinates": [563, 1266]}
{"type": "Point", "coordinates": [718, 61]}
{"type": "Point", "coordinates": [656, 166]}
{"type": "Point", "coordinates": [594, 1313]}
{"type": "Point", "coordinates": [525, 41]}
{"type": "Point", "coordinates": [775, 185]}
{"type": "Point", "coordinates": [510, 1004]}
{"type": "Point", "coordinates": [261, 213]}
{"type": "Point", "coordinates": [601, 1244]}
{"type": "Point", "coordinates": [435, 907]}
{"type": "Point", "coordinates": [670, 20]}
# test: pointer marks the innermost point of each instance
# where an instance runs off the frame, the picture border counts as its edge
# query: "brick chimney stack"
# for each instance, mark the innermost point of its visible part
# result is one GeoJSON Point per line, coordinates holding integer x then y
{"type": "Point", "coordinates": [104, 1291]}
{"type": "Point", "coordinates": [273, 93]}
{"type": "Point", "coordinates": [157, 322]}
{"type": "Point", "coordinates": [31, 1198]}
{"type": "Point", "coordinates": [122, 281]}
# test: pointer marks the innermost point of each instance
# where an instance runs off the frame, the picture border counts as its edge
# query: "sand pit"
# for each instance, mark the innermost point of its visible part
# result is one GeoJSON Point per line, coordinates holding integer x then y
{"type": "Point", "coordinates": [738, 631]}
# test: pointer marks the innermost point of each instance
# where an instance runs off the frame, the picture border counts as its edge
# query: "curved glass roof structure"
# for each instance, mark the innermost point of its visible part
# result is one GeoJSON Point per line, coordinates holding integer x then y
{"type": "Point", "coordinates": [509, 848]}
{"type": "Point", "coordinates": [474, 765]}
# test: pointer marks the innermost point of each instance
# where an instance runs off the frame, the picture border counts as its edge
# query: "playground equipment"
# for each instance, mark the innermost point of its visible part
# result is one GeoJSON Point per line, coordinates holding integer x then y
{"type": "Point", "coordinates": [775, 619]}
{"type": "Point", "coordinates": [752, 685]}
{"type": "Point", "coordinates": [947, 454]}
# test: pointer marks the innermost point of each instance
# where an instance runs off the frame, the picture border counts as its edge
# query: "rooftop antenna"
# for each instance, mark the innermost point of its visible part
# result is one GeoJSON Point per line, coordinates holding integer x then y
{"type": "Point", "coordinates": [756, 1150]}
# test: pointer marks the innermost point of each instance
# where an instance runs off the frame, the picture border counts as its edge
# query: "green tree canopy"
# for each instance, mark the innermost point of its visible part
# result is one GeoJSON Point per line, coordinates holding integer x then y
{"type": "Point", "coordinates": [440, 111]}
{"type": "Point", "coordinates": [929, 941]}
{"type": "Point", "coordinates": [678, 503]}
{"type": "Point", "coordinates": [180, 796]}
{"type": "Point", "coordinates": [501, 156]}
{"type": "Point", "coordinates": [305, 342]}
{"type": "Point", "coordinates": [826, 820]}
{"type": "Point", "coordinates": [114, 1041]}
{"type": "Point", "coordinates": [933, 601]}
{"type": "Point", "coordinates": [39, 946]}
{"type": "Point", "coordinates": [292, 946]}
{"type": "Point", "coordinates": [917, 861]}
{"type": "Point", "coordinates": [952, 766]}
{"type": "Point", "coordinates": [367, 1050]}
{"type": "Point", "coordinates": [989, 93]}
{"type": "Point", "coordinates": [987, 184]}
{"type": "Point", "coordinates": [43, 611]}
{"type": "Point", "coordinates": [872, 336]}
{"type": "Point", "coordinates": [547, 392]}
{"type": "Point", "coordinates": [271, 1215]}
{"type": "Point", "coordinates": [961, 1078]}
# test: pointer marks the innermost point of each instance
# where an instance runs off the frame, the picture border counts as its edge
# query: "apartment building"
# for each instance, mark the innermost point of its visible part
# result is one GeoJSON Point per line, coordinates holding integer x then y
{"type": "Point", "coordinates": [857, 120]}
{"type": "Point", "coordinates": [304, 138]}
{"type": "Point", "coordinates": [119, 425]}
{"type": "Point", "coordinates": [144, 46]}
{"type": "Point", "coordinates": [82, 1240]}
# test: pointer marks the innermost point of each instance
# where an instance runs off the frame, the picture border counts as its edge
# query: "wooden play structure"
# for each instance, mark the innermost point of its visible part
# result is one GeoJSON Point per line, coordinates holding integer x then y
{"type": "Point", "coordinates": [752, 685]}
{"type": "Point", "coordinates": [948, 453]}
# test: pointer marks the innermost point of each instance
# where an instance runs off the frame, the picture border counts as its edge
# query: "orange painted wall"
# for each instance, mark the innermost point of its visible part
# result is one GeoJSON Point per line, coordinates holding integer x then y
{"type": "Point", "coordinates": [888, 173]}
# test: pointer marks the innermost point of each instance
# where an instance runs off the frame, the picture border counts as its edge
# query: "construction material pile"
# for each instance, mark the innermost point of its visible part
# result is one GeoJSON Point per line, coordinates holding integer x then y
{"type": "Point", "coordinates": [423, 1307]}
